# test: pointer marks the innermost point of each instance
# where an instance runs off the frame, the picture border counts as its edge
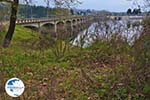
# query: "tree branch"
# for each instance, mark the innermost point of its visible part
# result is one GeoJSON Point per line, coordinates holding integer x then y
{"type": "Point", "coordinates": [8, 1]}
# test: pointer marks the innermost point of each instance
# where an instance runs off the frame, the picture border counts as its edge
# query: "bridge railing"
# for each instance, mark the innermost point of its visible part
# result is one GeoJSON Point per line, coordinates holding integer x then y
{"type": "Point", "coordinates": [36, 20]}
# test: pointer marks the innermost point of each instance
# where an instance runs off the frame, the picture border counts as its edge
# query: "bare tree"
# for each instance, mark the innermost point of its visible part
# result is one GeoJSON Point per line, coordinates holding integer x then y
{"type": "Point", "coordinates": [14, 9]}
{"type": "Point", "coordinates": [144, 4]}
{"type": "Point", "coordinates": [147, 4]}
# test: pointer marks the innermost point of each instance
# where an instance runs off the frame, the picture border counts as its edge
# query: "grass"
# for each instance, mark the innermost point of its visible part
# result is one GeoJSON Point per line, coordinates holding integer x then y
{"type": "Point", "coordinates": [106, 70]}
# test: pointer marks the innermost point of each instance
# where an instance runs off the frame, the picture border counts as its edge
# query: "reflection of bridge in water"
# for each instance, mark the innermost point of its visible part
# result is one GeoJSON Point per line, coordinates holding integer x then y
{"type": "Point", "coordinates": [67, 25]}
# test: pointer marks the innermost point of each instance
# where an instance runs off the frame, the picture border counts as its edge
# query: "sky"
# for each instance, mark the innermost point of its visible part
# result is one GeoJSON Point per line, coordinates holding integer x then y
{"type": "Point", "coordinates": [110, 5]}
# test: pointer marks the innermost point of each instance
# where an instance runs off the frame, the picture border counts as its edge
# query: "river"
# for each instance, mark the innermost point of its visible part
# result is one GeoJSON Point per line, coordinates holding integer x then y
{"type": "Point", "coordinates": [127, 29]}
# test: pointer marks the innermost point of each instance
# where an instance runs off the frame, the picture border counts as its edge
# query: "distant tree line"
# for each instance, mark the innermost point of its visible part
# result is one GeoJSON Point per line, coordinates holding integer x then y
{"type": "Point", "coordinates": [4, 12]}
{"type": "Point", "coordinates": [28, 11]}
{"type": "Point", "coordinates": [134, 11]}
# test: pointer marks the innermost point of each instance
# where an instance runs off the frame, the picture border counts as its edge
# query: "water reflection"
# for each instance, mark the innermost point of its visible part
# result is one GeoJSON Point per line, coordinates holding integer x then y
{"type": "Point", "coordinates": [103, 30]}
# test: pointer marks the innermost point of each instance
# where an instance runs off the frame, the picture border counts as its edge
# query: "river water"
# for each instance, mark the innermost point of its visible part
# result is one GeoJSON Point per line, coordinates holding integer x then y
{"type": "Point", "coordinates": [127, 29]}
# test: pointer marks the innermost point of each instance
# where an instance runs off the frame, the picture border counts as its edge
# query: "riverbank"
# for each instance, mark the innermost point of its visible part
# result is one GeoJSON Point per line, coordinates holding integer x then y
{"type": "Point", "coordinates": [55, 70]}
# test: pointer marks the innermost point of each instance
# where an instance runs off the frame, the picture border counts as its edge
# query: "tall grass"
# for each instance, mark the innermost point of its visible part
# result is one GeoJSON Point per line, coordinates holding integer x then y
{"type": "Point", "coordinates": [110, 68]}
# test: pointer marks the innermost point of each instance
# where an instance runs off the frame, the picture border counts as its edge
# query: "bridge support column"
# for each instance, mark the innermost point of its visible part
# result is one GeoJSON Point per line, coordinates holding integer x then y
{"type": "Point", "coordinates": [72, 29]}
{"type": "Point", "coordinates": [55, 26]}
{"type": "Point", "coordinates": [39, 28]}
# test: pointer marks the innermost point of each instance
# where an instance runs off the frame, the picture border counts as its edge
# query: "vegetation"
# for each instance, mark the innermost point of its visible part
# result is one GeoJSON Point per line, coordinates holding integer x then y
{"type": "Point", "coordinates": [27, 11]}
{"type": "Point", "coordinates": [14, 10]}
{"type": "Point", "coordinates": [134, 12]}
{"type": "Point", "coordinates": [108, 69]}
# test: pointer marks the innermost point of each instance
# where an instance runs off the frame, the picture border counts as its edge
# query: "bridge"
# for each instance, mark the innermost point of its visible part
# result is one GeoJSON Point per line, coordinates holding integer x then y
{"type": "Point", "coordinates": [54, 22]}
{"type": "Point", "coordinates": [63, 24]}
{"type": "Point", "coordinates": [130, 18]}
{"type": "Point", "coordinates": [56, 26]}
{"type": "Point", "coordinates": [37, 23]}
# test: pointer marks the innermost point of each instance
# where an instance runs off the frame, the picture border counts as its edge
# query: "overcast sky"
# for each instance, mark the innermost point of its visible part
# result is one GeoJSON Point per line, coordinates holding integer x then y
{"type": "Point", "coordinates": [110, 5]}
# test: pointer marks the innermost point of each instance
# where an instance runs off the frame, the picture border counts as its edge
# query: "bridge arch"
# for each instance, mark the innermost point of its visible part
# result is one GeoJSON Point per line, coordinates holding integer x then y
{"type": "Point", "coordinates": [49, 28]}
{"type": "Point", "coordinates": [32, 27]}
{"type": "Point", "coordinates": [74, 21]}
{"type": "Point", "coordinates": [60, 22]}
{"type": "Point", "coordinates": [78, 20]}
{"type": "Point", "coordinates": [60, 29]}
{"type": "Point", "coordinates": [68, 22]}
{"type": "Point", "coordinates": [69, 27]}
{"type": "Point", "coordinates": [47, 23]}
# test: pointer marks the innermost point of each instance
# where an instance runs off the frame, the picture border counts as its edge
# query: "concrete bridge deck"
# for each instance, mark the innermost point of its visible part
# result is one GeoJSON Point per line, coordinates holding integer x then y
{"type": "Point", "coordinates": [63, 19]}
{"type": "Point", "coordinates": [74, 21]}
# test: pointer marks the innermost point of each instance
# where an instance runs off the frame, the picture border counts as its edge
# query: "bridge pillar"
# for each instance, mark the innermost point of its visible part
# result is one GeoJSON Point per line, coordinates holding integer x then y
{"type": "Point", "coordinates": [60, 29]}
{"type": "Point", "coordinates": [55, 26]}
{"type": "Point", "coordinates": [39, 28]}
{"type": "Point", "coordinates": [72, 28]}
{"type": "Point", "coordinates": [69, 28]}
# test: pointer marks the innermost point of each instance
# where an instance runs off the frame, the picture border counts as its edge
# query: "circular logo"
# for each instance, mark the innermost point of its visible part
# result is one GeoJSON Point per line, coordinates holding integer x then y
{"type": "Point", "coordinates": [14, 87]}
